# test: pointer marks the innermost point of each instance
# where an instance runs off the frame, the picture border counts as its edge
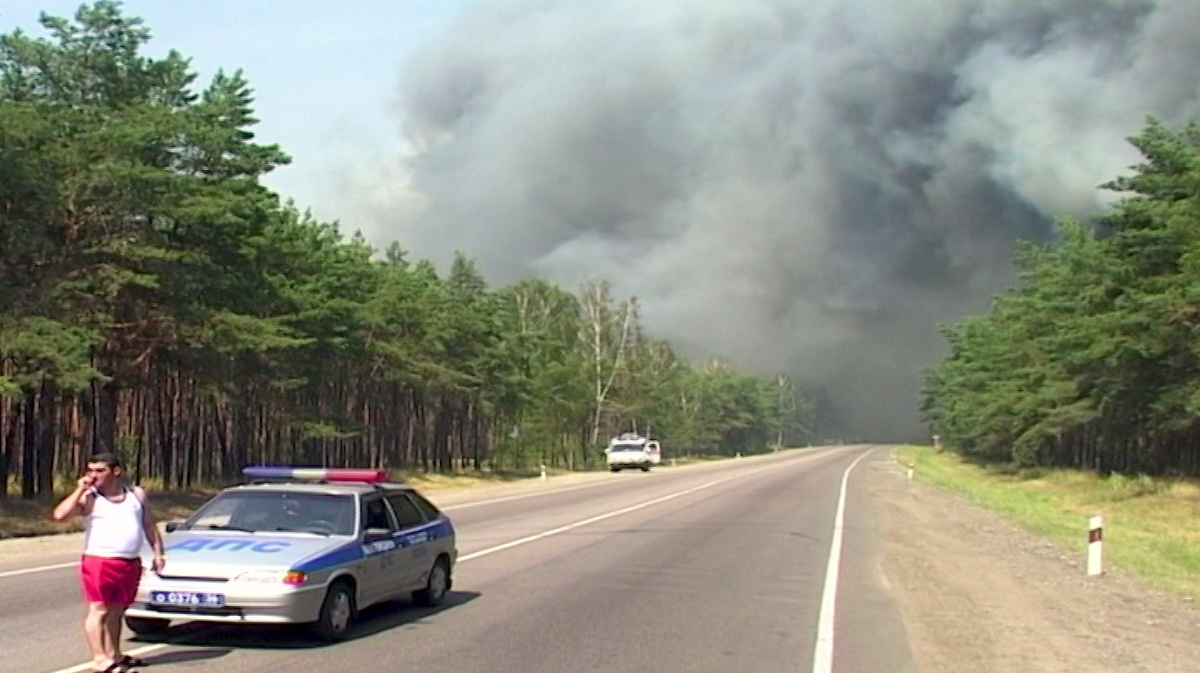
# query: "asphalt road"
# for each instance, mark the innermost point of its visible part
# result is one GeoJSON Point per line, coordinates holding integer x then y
{"type": "Point", "coordinates": [713, 567]}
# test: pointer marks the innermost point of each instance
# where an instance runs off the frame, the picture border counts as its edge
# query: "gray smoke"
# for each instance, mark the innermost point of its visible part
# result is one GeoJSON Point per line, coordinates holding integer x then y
{"type": "Point", "coordinates": [807, 186]}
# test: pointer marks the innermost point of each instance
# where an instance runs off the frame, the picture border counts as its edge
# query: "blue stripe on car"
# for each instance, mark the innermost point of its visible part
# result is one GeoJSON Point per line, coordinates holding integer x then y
{"type": "Point", "coordinates": [432, 531]}
{"type": "Point", "coordinates": [336, 557]}
{"type": "Point", "coordinates": [356, 550]}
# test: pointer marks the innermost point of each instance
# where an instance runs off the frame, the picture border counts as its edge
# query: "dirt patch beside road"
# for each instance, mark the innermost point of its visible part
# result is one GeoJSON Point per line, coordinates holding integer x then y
{"type": "Point", "coordinates": [979, 594]}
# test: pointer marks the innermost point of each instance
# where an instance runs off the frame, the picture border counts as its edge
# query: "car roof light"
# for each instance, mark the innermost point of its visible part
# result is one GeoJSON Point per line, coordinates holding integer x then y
{"type": "Point", "coordinates": [326, 474]}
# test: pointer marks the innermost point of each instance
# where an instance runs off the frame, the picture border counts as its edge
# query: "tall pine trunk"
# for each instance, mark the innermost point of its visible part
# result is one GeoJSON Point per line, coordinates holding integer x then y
{"type": "Point", "coordinates": [48, 430]}
{"type": "Point", "coordinates": [29, 446]}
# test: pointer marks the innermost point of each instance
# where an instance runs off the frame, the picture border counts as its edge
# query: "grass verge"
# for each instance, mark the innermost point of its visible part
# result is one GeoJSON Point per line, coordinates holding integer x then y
{"type": "Point", "coordinates": [24, 518]}
{"type": "Point", "coordinates": [1151, 526]}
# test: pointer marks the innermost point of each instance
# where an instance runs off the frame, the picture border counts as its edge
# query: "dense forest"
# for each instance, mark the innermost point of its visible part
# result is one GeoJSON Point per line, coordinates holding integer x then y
{"type": "Point", "coordinates": [1093, 359]}
{"type": "Point", "coordinates": [157, 300]}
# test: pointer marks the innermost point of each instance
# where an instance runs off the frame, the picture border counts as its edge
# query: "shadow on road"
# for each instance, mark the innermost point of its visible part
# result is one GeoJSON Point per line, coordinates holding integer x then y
{"type": "Point", "coordinates": [373, 620]}
{"type": "Point", "coordinates": [186, 656]}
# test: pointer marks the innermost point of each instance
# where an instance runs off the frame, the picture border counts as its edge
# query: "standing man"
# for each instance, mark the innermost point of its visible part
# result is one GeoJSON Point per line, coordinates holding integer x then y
{"type": "Point", "coordinates": [117, 520]}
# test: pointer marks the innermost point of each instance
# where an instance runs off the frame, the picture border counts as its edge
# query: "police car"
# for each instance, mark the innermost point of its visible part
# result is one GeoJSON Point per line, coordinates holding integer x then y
{"type": "Point", "coordinates": [299, 546]}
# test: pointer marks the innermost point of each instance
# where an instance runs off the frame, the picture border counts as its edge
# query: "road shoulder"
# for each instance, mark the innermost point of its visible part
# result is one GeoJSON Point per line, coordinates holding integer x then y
{"type": "Point", "coordinates": [979, 594]}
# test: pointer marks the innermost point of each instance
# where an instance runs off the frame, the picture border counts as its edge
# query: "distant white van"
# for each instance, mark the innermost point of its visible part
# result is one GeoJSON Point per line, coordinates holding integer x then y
{"type": "Point", "coordinates": [633, 450]}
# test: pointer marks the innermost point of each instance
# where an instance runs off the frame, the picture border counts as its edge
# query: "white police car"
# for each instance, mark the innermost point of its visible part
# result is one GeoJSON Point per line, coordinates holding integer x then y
{"type": "Point", "coordinates": [299, 546]}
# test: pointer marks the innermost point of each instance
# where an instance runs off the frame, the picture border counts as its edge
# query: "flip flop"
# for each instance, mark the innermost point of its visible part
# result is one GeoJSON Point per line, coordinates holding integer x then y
{"type": "Point", "coordinates": [128, 661]}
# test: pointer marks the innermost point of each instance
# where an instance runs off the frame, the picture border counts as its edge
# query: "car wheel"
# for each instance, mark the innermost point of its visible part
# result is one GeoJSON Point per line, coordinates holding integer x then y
{"type": "Point", "coordinates": [337, 613]}
{"type": "Point", "coordinates": [645, 468]}
{"type": "Point", "coordinates": [146, 626]}
{"type": "Point", "coordinates": [614, 469]}
{"type": "Point", "coordinates": [436, 587]}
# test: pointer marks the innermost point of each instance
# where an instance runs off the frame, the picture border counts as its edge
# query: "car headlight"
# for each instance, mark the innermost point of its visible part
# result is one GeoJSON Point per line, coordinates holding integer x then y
{"type": "Point", "coordinates": [291, 577]}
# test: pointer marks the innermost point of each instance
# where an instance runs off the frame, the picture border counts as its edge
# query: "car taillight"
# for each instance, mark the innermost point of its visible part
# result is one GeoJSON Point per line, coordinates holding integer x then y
{"type": "Point", "coordinates": [295, 578]}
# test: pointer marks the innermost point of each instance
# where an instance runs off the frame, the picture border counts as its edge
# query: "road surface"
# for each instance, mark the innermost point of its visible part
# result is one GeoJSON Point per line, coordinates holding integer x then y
{"type": "Point", "coordinates": [712, 567]}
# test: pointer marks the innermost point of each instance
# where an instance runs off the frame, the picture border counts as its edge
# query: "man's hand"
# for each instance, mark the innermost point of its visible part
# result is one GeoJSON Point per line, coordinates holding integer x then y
{"type": "Point", "coordinates": [74, 503]}
{"type": "Point", "coordinates": [159, 562]}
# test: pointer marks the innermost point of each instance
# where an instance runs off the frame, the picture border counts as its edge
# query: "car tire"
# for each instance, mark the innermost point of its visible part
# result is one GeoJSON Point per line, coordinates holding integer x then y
{"type": "Point", "coordinates": [645, 468]}
{"type": "Point", "coordinates": [337, 613]}
{"type": "Point", "coordinates": [147, 626]}
{"type": "Point", "coordinates": [436, 586]}
{"type": "Point", "coordinates": [614, 469]}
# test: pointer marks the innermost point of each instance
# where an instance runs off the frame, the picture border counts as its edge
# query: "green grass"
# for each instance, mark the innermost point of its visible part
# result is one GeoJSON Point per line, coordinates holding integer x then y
{"type": "Point", "coordinates": [1151, 526]}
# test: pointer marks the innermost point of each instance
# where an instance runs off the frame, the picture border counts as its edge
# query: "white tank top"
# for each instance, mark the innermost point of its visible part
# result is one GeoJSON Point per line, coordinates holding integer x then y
{"type": "Point", "coordinates": [114, 529]}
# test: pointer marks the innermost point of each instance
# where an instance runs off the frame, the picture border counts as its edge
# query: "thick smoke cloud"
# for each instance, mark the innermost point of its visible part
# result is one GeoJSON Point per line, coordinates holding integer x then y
{"type": "Point", "coordinates": [806, 186]}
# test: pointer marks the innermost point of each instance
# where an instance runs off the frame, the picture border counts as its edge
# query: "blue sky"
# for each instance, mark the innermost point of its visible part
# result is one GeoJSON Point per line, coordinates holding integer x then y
{"type": "Point", "coordinates": [324, 73]}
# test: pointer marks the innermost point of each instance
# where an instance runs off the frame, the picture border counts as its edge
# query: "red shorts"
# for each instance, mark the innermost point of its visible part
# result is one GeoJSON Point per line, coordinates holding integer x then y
{"type": "Point", "coordinates": [112, 581]}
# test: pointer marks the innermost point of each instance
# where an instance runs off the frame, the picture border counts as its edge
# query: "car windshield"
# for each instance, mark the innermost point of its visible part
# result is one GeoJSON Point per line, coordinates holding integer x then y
{"type": "Point", "coordinates": [283, 511]}
{"type": "Point", "coordinates": [628, 447]}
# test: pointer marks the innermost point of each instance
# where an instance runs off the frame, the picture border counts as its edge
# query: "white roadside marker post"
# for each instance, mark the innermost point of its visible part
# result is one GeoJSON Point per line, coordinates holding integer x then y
{"type": "Point", "coordinates": [543, 472]}
{"type": "Point", "coordinates": [910, 471]}
{"type": "Point", "coordinates": [1095, 546]}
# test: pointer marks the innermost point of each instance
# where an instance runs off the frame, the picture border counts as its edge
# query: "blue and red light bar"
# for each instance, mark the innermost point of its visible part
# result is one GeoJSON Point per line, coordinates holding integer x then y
{"type": "Point", "coordinates": [329, 474]}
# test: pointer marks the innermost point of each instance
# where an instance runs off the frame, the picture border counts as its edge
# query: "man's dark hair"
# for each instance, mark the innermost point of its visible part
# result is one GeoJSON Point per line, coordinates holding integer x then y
{"type": "Point", "coordinates": [108, 458]}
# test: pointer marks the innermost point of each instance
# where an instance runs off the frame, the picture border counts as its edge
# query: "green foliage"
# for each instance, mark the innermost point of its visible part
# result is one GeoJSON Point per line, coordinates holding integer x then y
{"type": "Point", "coordinates": [1092, 360]}
{"type": "Point", "coordinates": [40, 348]}
{"type": "Point", "coordinates": [141, 253]}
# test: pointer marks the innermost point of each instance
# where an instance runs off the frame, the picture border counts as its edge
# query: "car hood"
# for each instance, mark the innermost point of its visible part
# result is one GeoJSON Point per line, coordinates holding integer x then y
{"type": "Point", "coordinates": [224, 554]}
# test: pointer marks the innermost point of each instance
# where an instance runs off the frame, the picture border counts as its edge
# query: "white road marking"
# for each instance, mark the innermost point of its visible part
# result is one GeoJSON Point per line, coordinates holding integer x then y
{"type": "Point", "coordinates": [78, 668]}
{"type": "Point", "coordinates": [564, 489]}
{"type": "Point", "coordinates": [448, 508]}
{"type": "Point", "coordinates": [26, 571]}
{"type": "Point", "coordinates": [823, 651]}
{"type": "Point", "coordinates": [608, 515]}
{"type": "Point", "coordinates": [133, 653]}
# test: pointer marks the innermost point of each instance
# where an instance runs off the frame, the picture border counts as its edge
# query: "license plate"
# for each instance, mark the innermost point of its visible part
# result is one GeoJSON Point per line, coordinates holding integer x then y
{"type": "Point", "coordinates": [187, 598]}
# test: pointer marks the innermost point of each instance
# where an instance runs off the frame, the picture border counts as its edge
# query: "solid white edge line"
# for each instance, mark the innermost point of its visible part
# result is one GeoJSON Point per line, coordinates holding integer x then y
{"type": "Point", "coordinates": [448, 508]}
{"type": "Point", "coordinates": [601, 517]}
{"type": "Point", "coordinates": [823, 651]}
{"type": "Point", "coordinates": [579, 487]}
{"type": "Point", "coordinates": [133, 653]}
{"type": "Point", "coordinates": [26, 571]}
{"type": "Point", "coordinates": [78, 668]}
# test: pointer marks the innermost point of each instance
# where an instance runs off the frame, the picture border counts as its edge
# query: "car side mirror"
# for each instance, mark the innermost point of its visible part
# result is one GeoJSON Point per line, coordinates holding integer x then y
{"type": "Point", "coordinates": [172, 526]}
{"type": "Point", "coordinates": [376, 534]}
